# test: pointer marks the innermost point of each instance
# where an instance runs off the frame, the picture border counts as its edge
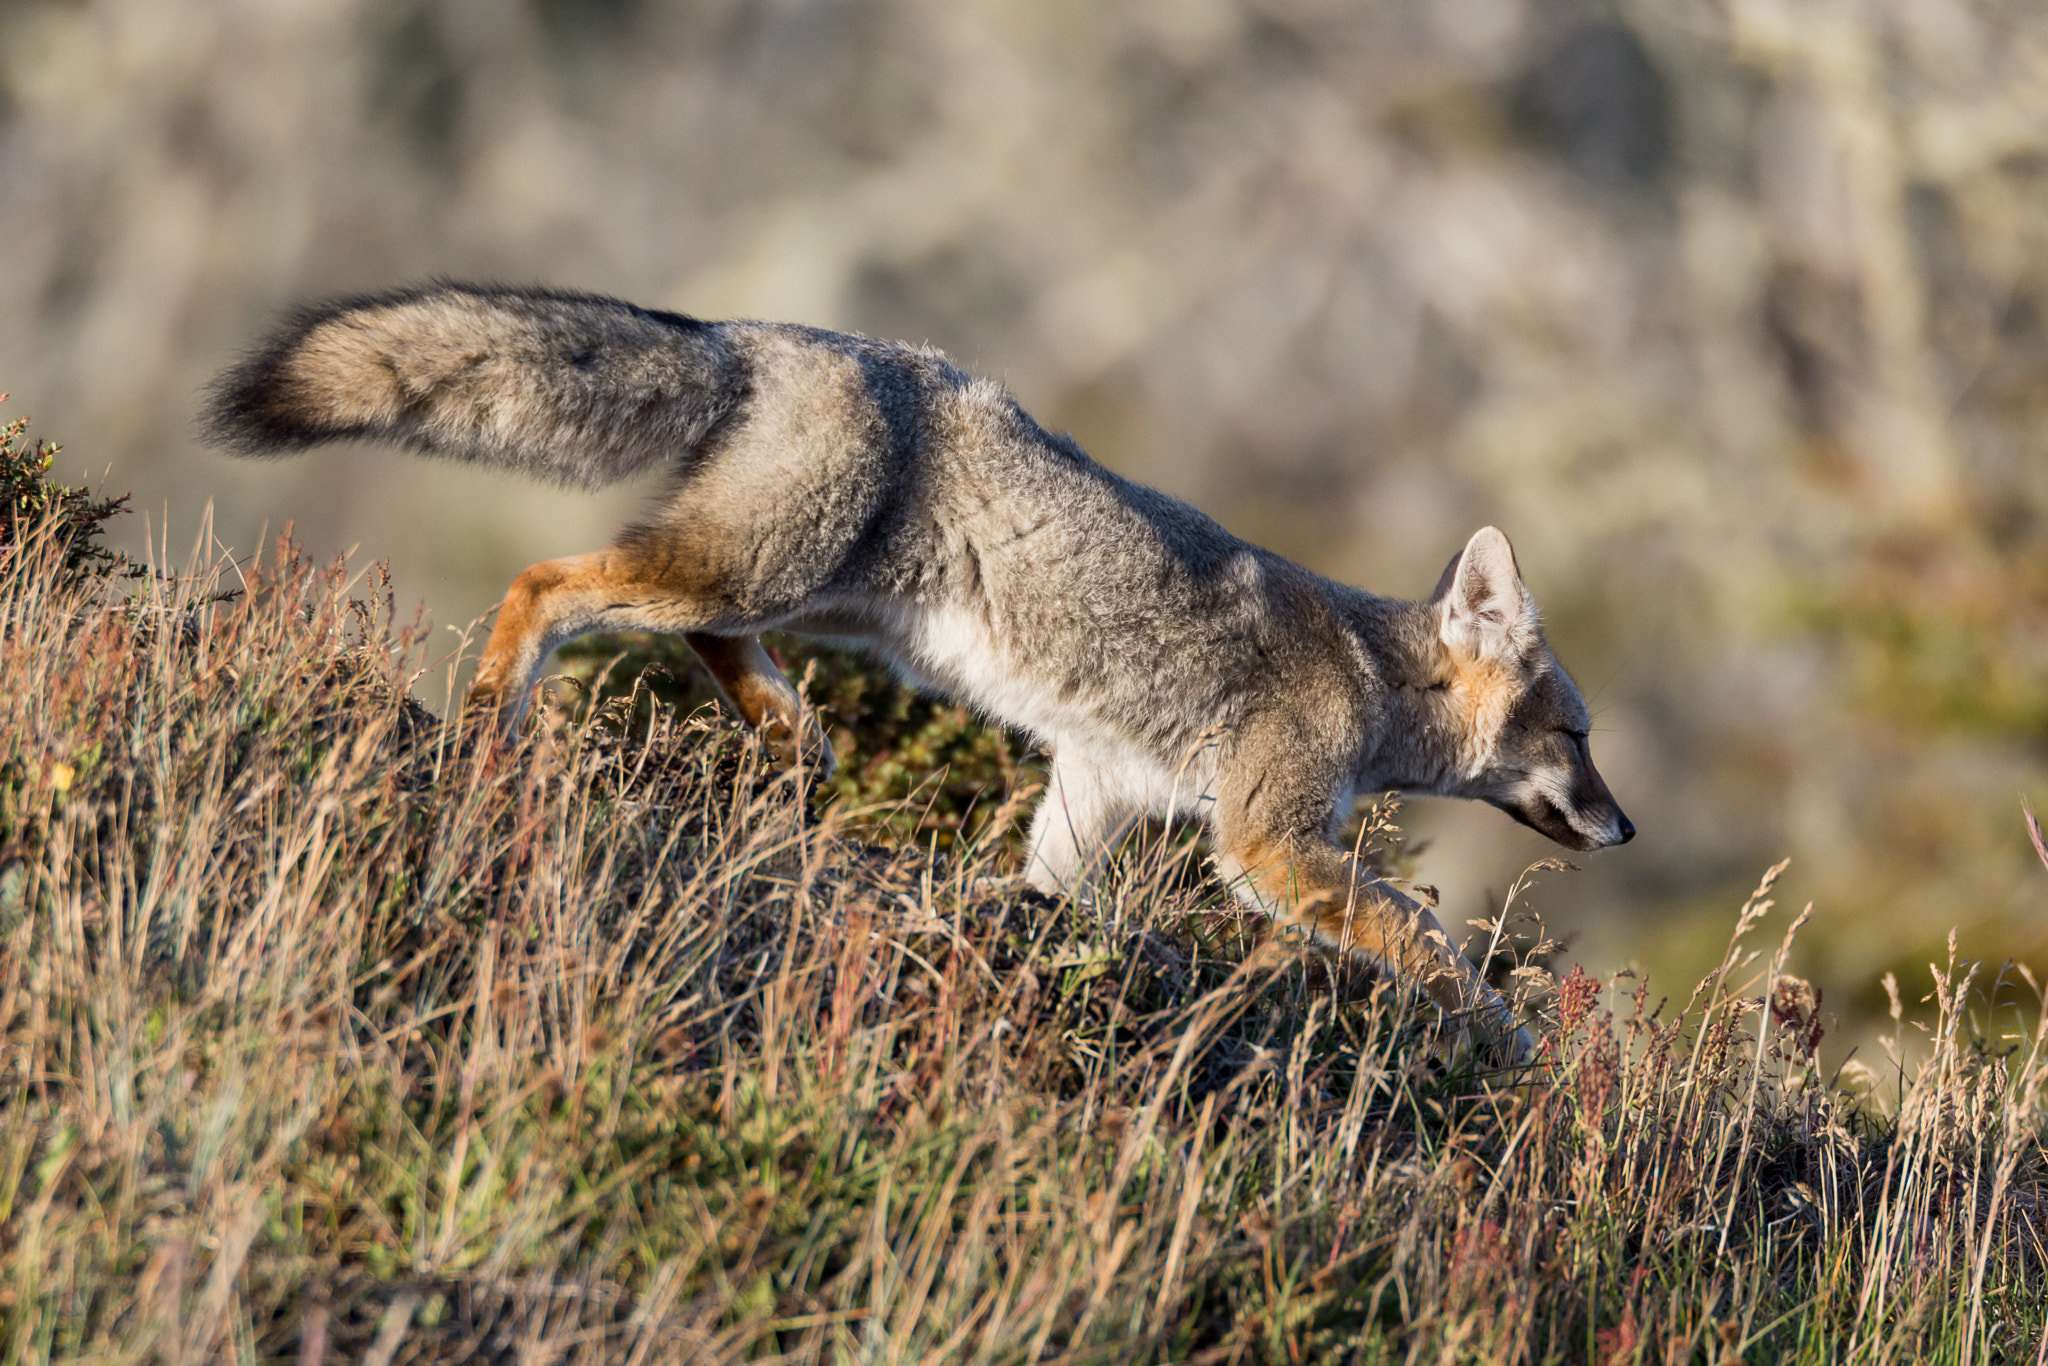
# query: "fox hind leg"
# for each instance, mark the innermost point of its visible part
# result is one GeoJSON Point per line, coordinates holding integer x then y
{"type": "Point", "coordinates": [547, 605]}
{"type": "Point", "coordinates": [555, 601]}
{"type": "Point", "coordinates": [762, 695]}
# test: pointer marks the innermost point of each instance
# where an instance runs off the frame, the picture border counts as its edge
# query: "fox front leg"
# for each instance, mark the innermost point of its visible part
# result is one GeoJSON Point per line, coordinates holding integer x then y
{"type": "Point", "coordinates": [1078, 821]}
{"type": "Point", "coordinates": [1316, 893]}
{"type": "Point", "coordinates": [1393, 928]}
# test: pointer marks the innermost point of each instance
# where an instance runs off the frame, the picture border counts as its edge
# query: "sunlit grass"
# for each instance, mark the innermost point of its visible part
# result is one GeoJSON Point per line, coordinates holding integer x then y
{"type": "Point", "coordinates": [332, 1030]}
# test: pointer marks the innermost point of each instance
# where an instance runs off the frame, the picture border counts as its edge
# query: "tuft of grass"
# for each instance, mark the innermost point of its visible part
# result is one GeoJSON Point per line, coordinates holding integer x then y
{"type": "Point", "coordinates": [334, 1030]}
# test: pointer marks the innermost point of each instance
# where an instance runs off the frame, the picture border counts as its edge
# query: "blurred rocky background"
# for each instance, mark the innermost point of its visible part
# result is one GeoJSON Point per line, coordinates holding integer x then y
{"type": "Point", "coordinates": [1733, 313]}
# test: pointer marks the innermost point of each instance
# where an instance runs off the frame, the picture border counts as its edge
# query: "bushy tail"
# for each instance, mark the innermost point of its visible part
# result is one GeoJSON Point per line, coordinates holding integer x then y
{"type": "Point", "coordinates": [576, 388]}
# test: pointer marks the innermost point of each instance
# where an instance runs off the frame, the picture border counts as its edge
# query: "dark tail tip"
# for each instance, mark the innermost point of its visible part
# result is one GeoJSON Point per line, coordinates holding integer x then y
{"type": "Point", "coordinates": [241, 413]}
{"type": "Point", "coordinates": [249, 409]}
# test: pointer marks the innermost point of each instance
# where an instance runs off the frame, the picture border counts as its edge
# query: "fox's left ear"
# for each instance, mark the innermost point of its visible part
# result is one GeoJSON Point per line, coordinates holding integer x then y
{"type": "Point", "coordinates": [1484, 611]}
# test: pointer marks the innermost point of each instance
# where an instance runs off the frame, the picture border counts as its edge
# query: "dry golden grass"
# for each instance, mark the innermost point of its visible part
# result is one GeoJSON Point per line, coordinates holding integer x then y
{"type": "Point", "coordinates": [332, 1031]}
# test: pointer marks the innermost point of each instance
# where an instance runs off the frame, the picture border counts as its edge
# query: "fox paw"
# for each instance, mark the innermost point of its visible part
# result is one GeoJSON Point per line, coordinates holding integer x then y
{"type": "Point", "coordinates": [1010, 887]}
{"type": "Point", "coordinates": [802, 744]}
{"type": "Point", "coordinates": [1502, 1049]}
{"type": "Point", "coordinates": [485, 724]}
{"type": "Point", "coordinates": [1230, 932]}
{"type": "Point", "coordinates": [1277, 939]}
{"type": "Point", "coordinates": [1000, 884]}
{"type": "Point", "coordinates": [1516, 1050]}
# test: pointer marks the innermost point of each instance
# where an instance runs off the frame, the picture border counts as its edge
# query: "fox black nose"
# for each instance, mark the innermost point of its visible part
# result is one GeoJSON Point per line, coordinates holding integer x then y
{"type": "Point", "coordinates": [1628, 828]}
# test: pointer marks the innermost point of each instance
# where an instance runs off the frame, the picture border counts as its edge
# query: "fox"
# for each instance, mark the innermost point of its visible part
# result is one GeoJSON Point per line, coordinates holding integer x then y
{"type": "Point", "coordinates": [871, 493]}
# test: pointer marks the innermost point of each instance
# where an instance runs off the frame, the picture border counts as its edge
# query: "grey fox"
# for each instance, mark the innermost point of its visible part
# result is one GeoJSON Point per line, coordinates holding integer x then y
{"type": "Point", "coordinates": [859, 490]}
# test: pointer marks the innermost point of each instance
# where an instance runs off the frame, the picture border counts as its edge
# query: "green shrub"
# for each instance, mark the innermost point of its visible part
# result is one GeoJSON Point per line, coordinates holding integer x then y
{"type": "Point", "coordinates": [31, 502]}
{"type": "Point", "coordinates": [912, 767]}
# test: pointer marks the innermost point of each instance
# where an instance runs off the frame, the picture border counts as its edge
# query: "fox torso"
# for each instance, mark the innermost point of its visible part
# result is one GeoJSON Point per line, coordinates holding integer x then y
{"type": "Point", "coordinates": [924, 513]}
{"type": "Point", "coordinates": [838, 486]}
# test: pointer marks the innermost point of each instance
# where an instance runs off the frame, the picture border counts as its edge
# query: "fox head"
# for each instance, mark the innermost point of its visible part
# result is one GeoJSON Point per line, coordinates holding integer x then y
{"type": "Point", "coordinates": [1500, 720]}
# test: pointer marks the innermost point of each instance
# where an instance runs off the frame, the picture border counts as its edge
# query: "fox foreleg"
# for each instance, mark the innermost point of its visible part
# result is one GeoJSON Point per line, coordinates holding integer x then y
{"type": "Point", "coordinates": [1316, 894]}
{"type": "Point", "coordinates": [1393, 928]}
{"type": "Point", "coordinates": [1078, 821]}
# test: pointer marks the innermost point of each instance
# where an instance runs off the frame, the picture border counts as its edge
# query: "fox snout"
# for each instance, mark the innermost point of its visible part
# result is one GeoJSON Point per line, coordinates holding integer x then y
{"type": "Point", "coordinates": [1570, 804]}
{"type": "Point", "coordinates": [1584, 828]}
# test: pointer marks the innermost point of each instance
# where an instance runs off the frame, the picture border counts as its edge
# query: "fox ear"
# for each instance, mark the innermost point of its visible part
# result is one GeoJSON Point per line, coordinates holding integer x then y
{"type": "Point", "coordinates": [1484, 611]}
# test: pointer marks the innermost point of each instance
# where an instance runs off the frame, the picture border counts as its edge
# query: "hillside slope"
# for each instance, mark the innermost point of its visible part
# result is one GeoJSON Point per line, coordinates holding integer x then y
{"type": "Point", "coordinates": [332, 1030]}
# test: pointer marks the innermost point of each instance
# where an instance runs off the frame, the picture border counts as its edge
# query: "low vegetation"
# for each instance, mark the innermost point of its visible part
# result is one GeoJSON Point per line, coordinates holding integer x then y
{"type": "Point", "coordinates": [334, 1030]}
